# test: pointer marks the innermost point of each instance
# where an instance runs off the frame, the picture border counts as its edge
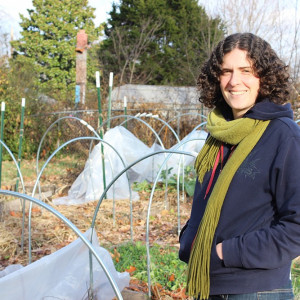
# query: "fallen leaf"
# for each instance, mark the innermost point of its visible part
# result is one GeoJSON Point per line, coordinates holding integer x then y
{"type": "Point", "coordinates": [164, 212]}
{"type": "Point", "coordinates": [125, 228]}
{"type": "Point", "coordinates": [172, 277]}
{"type": "Point", "coordinates": [15, 214]}
{"type": "Point", "coordinates": [116, 255]}
{"type": "Point", "coordinates": [131, 269]}
{"type": "Point", "coordinates": [36, 209]}
{"type": "Point", "coordinates": [180, 294]}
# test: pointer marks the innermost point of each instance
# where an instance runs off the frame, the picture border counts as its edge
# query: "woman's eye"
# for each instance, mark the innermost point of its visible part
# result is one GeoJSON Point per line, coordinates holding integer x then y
{"type": "Point", "coordinates": [226, 72]}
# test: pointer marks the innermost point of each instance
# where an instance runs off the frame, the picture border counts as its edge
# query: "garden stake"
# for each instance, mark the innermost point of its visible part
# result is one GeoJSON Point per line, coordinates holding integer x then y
{"type": "Point", "coordinates": [125, 110]}
{"type": "Point", "coordinates": [20, 141]}
{"type": "Point", "coordinates": [111, 76]}
{"type": "Point", "coordinates": [18, 174]}
{"type": "Point", "coordinates": [101, 128]}
{"type": "Point", "coordinates": [1, 137]}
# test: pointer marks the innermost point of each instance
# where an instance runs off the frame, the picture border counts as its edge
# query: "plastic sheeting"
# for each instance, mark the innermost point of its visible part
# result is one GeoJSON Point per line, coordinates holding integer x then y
{"type": "Point", "coordinates": [63, 274]}
{"type": "Point", "coordinates": [89, 184]}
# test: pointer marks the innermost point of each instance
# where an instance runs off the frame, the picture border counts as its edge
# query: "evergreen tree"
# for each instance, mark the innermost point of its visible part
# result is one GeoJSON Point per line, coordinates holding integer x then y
{"type": "Point", "coordinates": [158, 41]}
{"type": "Point", "coordinates": [49, 40]}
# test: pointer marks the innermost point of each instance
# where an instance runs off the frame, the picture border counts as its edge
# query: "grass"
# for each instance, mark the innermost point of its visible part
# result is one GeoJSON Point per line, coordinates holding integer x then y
{"type": "Point", "coordinates": [57, 168]}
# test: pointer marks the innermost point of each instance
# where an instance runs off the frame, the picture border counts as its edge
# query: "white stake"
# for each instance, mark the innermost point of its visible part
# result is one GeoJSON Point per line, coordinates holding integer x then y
{"type": "Point", "coordinates": [111, 76]}
{"type": "Point", "coordinates": [97, 79]}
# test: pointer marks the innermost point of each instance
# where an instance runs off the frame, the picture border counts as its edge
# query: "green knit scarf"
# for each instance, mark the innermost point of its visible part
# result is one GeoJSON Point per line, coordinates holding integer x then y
{"type": "Point", "coordinates": [244, 133]}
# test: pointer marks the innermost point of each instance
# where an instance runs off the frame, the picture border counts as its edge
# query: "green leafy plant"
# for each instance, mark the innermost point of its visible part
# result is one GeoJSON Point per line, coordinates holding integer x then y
{"type": "Point", "coordinates": [142, 186]}
{"type": "Point", "coordinates": [187, 180]}
{"type": "Point", "coordinates": [166, 268]}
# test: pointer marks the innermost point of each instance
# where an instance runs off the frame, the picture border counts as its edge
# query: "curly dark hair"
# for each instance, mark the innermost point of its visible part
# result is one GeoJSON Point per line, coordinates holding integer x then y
{"type": "Point", "coordinates": [272, 72]}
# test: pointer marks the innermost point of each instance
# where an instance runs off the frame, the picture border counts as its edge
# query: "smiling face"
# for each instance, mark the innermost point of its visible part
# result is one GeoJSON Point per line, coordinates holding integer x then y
{"type": "Point", "coordinates": [238, 82]}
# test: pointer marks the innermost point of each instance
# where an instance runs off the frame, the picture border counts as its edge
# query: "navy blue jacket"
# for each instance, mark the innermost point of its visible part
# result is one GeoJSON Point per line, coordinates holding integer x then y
{"type": "Point", "coordinates": [259, 224]}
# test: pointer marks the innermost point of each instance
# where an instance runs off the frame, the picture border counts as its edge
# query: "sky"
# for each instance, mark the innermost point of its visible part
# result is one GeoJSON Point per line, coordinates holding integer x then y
{"type": "Point", "coordinates": [10, 10]}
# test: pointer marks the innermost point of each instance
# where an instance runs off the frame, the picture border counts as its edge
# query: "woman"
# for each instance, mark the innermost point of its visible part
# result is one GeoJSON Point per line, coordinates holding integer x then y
{"type": "Point", "coordinates": [244, 228]}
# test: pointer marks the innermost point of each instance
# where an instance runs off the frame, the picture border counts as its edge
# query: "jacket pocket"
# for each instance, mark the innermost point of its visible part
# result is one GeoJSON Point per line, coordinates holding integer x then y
{"type": "Point", "coordinates": [217, 265]}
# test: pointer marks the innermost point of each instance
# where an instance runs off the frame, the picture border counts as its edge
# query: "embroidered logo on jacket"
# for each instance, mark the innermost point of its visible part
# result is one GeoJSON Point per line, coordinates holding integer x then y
{"type": "Point", "coordinates": [248, 167]}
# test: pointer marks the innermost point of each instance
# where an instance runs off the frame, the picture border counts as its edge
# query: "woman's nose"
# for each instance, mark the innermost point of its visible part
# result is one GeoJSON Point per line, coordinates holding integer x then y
{"type": "Point", "coordinates": [235, 79]}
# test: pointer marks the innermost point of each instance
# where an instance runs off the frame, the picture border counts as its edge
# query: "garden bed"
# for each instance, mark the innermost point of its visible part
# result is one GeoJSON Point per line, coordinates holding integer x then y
{"type": "Point", "coordinates": [50, 234]}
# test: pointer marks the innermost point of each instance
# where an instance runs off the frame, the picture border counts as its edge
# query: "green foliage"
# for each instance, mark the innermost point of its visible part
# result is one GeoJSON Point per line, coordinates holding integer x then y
{"type": "Point", "coordinates": [296, 277]}
{"type": "Point", "coordinates": [49, 39]}
{"type": "Point", "coordinates": [187, 180]}
{"type": "Point", "coordinates": [20, 83]}
{"type": "Point", "coordinates": [142, 186]}
{"type": "Point", "coordinates": [164, 263]}
{"type": "Point", "coordinates": [165, 269]}
{"type": "Point", "coordinates": [158, 41]}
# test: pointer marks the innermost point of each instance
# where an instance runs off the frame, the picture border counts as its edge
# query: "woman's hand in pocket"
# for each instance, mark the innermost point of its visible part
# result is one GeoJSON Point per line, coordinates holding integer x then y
{"type": "Point", "coordinates": [219, 251]}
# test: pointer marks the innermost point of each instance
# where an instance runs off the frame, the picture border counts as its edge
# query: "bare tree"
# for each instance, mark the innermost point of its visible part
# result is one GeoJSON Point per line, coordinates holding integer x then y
{"type": "Point", "coordinates": [277, 21]}
{"type": "Point", "coordinates": [4, 37]}
{"type": "Point", "coordinates": [294, 61]}
{"type": "Point", "coordinates": [253, 16]}
{"type": "Point", "coordinates": [201, 45]}
{"type": "Point", "coordinates": [129, 52]}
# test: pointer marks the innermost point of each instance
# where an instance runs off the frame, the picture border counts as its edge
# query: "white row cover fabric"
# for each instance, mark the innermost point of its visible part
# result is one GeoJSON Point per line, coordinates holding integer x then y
{"type": "Point", "coordinates": [64, 274]}
{"type": "Point", "coordinates": [89, 184]}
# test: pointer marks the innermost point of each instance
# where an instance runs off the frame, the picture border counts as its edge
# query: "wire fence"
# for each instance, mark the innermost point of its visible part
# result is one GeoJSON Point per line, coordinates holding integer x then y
{"type": "Point", "coordinates": [58, 127]}
{"type": "Point", "coordinates": [183, 119]}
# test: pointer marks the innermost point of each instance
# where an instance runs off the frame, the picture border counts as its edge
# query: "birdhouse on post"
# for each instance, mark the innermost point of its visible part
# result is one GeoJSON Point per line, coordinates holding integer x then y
{"type": "Point", "coordinates": [81, 59]}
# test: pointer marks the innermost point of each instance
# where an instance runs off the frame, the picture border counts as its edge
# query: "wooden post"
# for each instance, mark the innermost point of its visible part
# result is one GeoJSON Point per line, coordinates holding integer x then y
{"type": "Point", "coordinates": [81, 59]}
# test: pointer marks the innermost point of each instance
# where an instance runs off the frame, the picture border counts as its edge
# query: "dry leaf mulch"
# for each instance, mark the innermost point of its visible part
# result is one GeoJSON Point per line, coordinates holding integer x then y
{"type": "Point", "coordinates": [50, 234]}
